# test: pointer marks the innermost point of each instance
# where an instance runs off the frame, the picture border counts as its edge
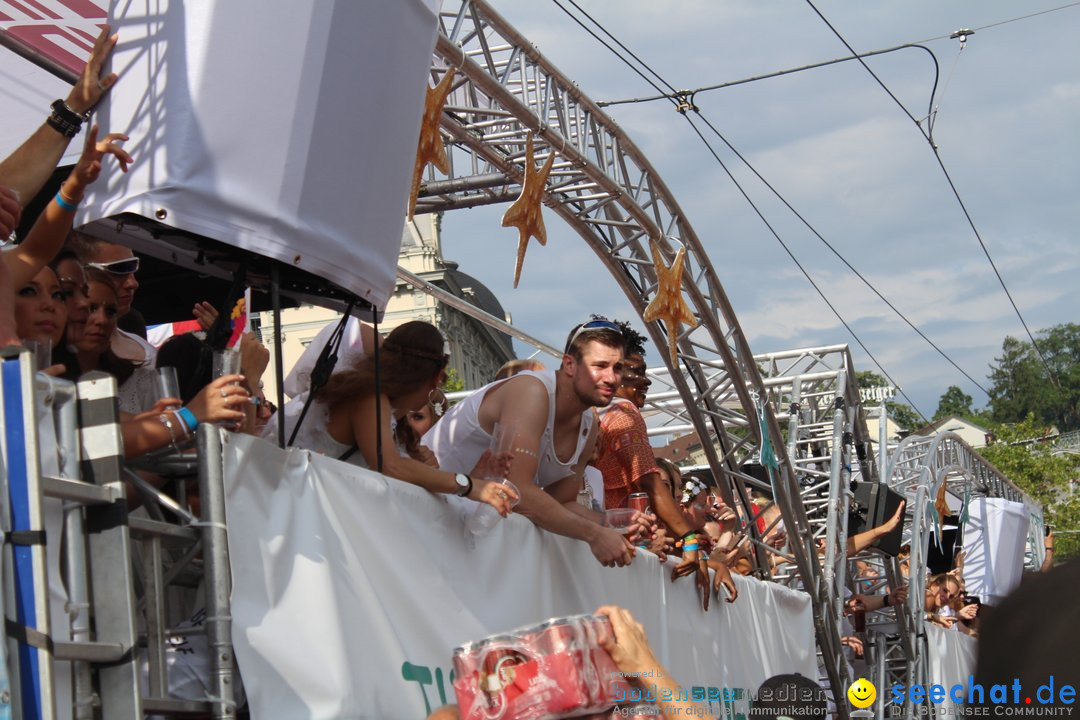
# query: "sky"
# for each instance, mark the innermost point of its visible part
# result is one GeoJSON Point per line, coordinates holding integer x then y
{"type": "Point", "coordinates": [847, 158]}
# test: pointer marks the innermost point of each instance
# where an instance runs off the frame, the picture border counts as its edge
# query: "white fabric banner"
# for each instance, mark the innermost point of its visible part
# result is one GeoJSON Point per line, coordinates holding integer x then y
{"type": "Point", "coordinates": [351, 590]}
{"type": "Point", "coordinates": [995, 538]}
{"type": "Point", "coordinates": [951, 657]}
{"type": "Point", "coordinates": [285, 128]}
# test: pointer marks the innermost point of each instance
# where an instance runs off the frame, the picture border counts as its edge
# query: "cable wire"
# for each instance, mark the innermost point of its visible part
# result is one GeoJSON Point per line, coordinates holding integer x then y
{"type": "Point", "coordinates": [778, 194]}
{"type": "Point", "coordinates": [802, 269]}
{"type": "Point", "coordinates": [956, 193]}
{"type": "Point", "coordinates": [1010, 20]}
{"type": "Point", "coordinates": [766, 76]}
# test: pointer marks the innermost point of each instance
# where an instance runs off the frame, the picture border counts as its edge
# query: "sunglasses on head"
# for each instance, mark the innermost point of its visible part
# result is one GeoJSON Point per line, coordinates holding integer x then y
{"type": "Point", "coordinates": [127, 266]}
{"type": "Point", "coordinates": [592, 325]}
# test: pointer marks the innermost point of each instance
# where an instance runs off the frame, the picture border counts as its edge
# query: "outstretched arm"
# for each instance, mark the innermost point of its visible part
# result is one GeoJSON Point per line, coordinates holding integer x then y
{"type": "Point", "coordinates": [53, 225]}
{"type": "Point", "coordinates": [863, 540]}
{"type": "Point", "coordinates": [28, 168]}
{"type": "Point", "coordinates": [633, 656]}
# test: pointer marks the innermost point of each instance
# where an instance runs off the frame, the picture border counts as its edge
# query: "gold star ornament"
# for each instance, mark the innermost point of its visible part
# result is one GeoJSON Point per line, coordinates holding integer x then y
{"type": "Point", "coordinates": [668, 304]}
{"type": "Point", "coordinates": [431, 149]}
{"type": "Point", "coordinates": [524, 214]}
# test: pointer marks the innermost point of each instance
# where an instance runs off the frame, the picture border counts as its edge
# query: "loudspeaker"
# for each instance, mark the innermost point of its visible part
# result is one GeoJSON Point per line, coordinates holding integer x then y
{"type": "Point", "coordinates": [873, 505]}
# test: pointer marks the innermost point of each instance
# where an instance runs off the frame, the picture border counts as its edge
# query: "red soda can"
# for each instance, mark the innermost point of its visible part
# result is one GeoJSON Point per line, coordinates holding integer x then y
{"type": "Point", "coordinates": [639, 501]}
{"type": "Point", "coordinates": [500, 655]}
{"type": "Point", "coordinates": [557, 636]}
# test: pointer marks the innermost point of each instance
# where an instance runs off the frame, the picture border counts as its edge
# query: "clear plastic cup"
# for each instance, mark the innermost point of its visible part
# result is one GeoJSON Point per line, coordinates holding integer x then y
{"type": "Point", "coordinates": [226, 362]}
{"type": "Point", "coordinates": [619, 519]}
{"type": "Point", "coordinates": [484, 518]}
{"type": "Point", "coordinates": [42, 350]}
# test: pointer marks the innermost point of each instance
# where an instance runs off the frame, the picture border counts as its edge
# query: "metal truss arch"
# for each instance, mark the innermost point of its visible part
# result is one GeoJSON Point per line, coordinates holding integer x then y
{"type": "Point", "coordinates": [602, 185]}
{"type": "Point", "coordinates": [920, 468]}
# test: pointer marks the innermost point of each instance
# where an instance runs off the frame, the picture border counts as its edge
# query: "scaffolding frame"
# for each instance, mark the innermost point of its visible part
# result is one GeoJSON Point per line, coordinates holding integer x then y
{"type": "Point", "coordinates": [109, 590]}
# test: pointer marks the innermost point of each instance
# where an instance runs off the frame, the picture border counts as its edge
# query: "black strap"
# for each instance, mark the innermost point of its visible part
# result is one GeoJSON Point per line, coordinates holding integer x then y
{"type": "Point", "coordinates": [323, 368]}
{"type": "Point", "coordinates": [25, 537]}
{"type": "Point", "coordinates": [348, 453]}
{"type": "Point", "coordinates": [28, 635]}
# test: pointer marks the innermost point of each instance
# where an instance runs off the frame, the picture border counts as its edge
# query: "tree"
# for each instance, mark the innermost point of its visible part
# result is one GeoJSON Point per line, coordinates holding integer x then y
{"type": "Point", "coordinates": [1021, 384]}
{"type": "Point", "coordinates": [1046, 476]}
{"type": "Point", "coordinates": [901, 413]}
{"type": "Point", "coordinates": [954, 401]}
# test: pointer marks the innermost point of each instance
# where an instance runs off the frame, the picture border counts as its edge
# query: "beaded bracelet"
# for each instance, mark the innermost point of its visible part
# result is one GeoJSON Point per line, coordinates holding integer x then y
{"type": "Point", "coordinates": [164, 418]}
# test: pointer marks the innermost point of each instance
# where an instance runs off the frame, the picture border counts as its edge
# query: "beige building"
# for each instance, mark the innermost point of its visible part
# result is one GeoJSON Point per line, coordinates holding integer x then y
{"type": "Point", "coordinates": [476, 351]}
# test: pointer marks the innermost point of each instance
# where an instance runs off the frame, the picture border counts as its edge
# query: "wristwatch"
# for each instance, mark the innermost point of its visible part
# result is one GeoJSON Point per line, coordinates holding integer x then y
{"type": "Point", "coordinates": [464, 484]}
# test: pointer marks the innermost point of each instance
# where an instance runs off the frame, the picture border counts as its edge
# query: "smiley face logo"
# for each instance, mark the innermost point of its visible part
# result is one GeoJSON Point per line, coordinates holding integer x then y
{"type": "Point", "coordinates": [862, 693]}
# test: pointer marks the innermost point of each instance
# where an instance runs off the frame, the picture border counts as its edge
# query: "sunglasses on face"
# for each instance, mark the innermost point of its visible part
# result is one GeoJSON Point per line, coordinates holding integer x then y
{"type": "Point", "coordinates": [592, 325]}
{"type": "Point", "coordinates": [127, 266]}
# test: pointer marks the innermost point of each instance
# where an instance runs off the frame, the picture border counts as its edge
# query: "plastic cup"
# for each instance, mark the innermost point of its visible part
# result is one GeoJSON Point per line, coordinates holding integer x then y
{"type": "Point", "coordinates": [42, 350]}
{"type": "Point", "coordinates": [226, 362]}
{"type": "Point", "coordinates": [503, 439]}
{"type": "Point", "coordinates": [484, 518]}
{"type": "Point", "coordinates": [619, 519]}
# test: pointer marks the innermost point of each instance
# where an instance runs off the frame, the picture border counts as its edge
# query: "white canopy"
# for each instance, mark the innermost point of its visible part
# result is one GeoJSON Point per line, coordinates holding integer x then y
{"type": "Point", "coordinates": [285, 129]}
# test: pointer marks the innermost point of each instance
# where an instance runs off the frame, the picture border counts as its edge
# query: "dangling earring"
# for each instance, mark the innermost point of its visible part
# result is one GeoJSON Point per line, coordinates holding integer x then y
{"type": "Point", "coordinates": [435, 399]}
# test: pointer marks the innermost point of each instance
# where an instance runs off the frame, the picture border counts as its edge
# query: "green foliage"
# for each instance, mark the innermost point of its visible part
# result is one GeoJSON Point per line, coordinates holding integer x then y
{"type": "Point", "coordinates": [1042, 474]}
{"type": "Point", "coordinates": [954, 401]}
{"type": "Point", "coordinates": [901, 413]}
{"type": "Point", "coordinates": [1020, 383]}
{"type": "Point", "coordinates": [453, 382]}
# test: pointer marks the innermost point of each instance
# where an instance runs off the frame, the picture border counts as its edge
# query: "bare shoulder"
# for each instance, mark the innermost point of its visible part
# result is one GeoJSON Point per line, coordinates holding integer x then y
{"type": "Point", "coordinates": [522, 397]}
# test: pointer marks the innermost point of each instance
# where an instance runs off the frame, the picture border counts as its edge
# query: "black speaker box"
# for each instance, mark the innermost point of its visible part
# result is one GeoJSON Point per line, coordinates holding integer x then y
{"type": "Point", "coordinates": [873, 505]}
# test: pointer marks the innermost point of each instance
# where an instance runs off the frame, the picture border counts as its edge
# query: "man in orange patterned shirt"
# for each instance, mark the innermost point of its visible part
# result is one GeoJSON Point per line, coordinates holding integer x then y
{"type": "Point", "coordinates": [626, 458]}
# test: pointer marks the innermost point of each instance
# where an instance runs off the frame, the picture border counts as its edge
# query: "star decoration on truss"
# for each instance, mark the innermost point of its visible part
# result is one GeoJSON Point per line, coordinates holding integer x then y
{"type": "Point", "coordinates": [430, 148]}
{"type": "Point", "coordinates": [525, 214]}
{"type": "Point", "coordinates": [668, 303]}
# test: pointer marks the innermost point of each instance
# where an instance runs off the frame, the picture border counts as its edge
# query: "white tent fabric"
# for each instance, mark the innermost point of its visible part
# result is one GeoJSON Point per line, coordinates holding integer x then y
{"type": "Point", "coordinates": [951, 658]}
{"type": "Point", "coordinates": [995, 538]}
{"type": "Point", "coordinates": [350, 591]}
{"type": "Point", "coordinates": [285, 129]}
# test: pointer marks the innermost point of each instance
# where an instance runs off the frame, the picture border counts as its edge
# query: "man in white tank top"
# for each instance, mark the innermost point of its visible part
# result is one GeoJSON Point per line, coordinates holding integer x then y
{"type": "Point", "coordinates": [552, 413]}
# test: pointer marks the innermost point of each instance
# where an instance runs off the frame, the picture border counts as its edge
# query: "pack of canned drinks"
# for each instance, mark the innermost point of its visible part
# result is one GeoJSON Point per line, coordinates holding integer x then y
{"type": "Point", "coordinates": [557, 669]}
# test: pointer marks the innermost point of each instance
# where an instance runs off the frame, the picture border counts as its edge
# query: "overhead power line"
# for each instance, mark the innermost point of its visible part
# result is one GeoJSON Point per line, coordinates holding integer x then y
{"type": "Point", "coordinates": [678, 98]}
{"type": "Point", "coordinates": [675, 94]}
{"type": "Point", "coordinates": [927, 134]}
{"type": "Point", "coordinates": [823, 63]}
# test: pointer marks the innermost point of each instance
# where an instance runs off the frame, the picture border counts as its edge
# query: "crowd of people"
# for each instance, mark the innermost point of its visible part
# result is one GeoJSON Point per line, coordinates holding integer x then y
{"type": "Point", "coordinates": [580, 450]}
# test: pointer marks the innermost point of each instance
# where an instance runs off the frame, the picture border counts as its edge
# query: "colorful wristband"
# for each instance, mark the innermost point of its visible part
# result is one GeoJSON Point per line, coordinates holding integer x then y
{"type": "Point", "coordinates": [64, 204]}
{"type": "Point", "coordinates": [690, 548]}
{"type": "Point", "coordinates": [189, 419]}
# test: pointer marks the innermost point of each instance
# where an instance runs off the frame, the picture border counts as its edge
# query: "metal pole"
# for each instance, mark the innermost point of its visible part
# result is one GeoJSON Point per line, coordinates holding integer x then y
{"type": "Point", "coordinates": [279, 371]}
{"type": "Point", "coordinates": [74, 568]}
{"type": "Point", "coordinates": [218, 582]}
{"type": "Point", "coordinates": [883, 442]}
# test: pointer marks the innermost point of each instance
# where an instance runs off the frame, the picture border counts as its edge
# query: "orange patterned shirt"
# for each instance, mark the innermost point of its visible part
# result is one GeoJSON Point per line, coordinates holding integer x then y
{"type": "Point", "coordinates": [624, 454]}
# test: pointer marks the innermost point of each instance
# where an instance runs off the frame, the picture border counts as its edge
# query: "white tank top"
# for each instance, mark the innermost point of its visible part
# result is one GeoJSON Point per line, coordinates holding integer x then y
{"type": "Point", "coordinates": [458, 441]}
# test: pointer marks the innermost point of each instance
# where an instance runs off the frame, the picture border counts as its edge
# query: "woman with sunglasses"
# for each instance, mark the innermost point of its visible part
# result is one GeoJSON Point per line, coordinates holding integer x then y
{"type": "Point", "coordinates": [340, 420]}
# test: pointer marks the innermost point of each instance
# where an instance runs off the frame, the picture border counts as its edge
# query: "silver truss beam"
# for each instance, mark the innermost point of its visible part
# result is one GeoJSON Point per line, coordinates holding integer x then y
{"type": "Point", "coordinates": [605, 188]}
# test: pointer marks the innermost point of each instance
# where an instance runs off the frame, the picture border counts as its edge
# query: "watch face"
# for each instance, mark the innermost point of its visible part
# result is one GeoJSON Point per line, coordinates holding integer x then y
{"type": "Point", "coordinates": [463, 483]}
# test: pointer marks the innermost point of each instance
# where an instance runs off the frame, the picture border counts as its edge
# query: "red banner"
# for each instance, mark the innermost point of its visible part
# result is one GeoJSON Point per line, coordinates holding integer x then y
{"type": "Point", "coordinates": [60, 31]}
